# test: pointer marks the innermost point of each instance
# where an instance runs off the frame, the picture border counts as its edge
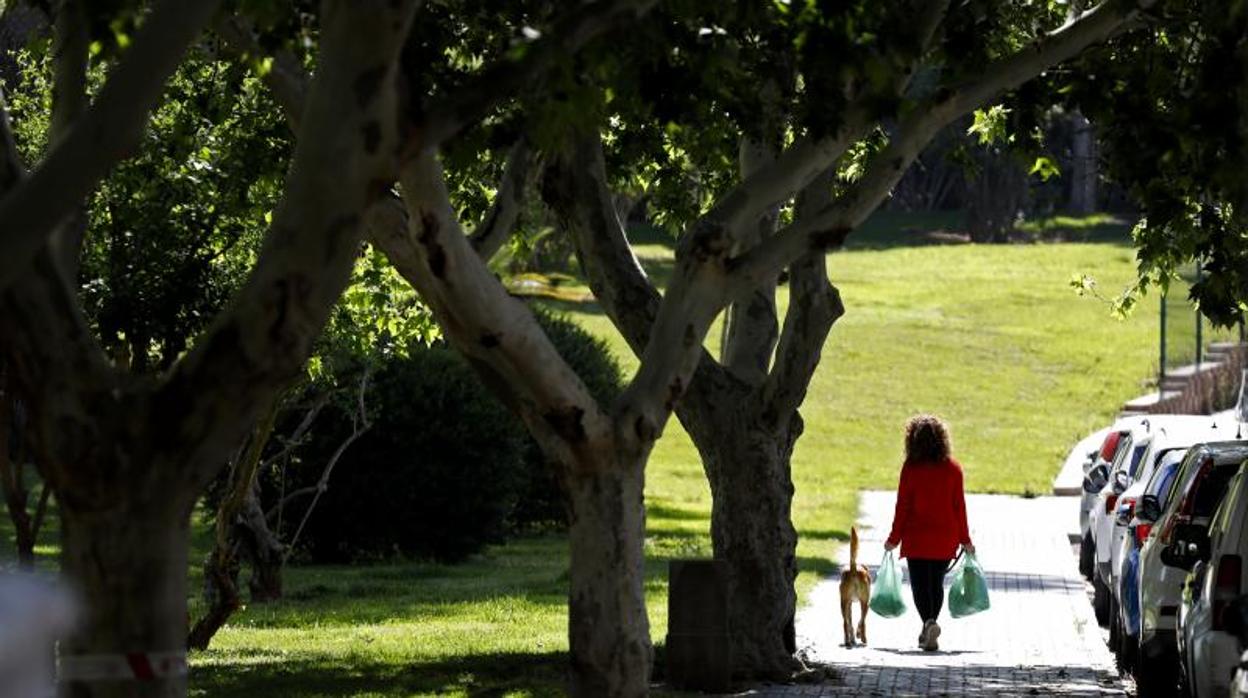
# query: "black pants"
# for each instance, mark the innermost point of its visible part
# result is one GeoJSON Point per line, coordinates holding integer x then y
{"type": "Point", "coordinates": [927, 583]}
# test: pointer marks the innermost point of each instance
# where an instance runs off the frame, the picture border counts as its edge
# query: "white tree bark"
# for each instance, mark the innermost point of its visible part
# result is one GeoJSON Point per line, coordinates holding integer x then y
{"type": "Point", "coordinates": [344, 161]}
{"type": "Point", "coordinates": [751, 324]}
{"type": "Point", "coordinates": [493, 230]}
{"type": "Point", "coordinates": [744, 431]}
{"type": "Point", "coordinates": [129, 457]}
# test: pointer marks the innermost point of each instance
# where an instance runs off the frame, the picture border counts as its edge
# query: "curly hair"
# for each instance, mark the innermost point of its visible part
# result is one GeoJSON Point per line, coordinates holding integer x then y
{"type": "Point", "coordinates": [927, 439]}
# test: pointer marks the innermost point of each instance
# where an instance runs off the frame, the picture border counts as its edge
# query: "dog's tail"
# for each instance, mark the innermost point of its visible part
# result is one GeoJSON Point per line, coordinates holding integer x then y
{"type": "Point", "coordinates": [853, 547]}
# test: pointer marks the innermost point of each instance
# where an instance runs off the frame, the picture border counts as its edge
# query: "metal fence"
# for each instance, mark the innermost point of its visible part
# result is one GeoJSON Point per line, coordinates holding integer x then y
{"type": "Point", "coordinates": [1185, 335]}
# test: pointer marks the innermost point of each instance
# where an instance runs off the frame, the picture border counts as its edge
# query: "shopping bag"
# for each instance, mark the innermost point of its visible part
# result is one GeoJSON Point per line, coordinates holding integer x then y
{"type": "Point", "coordinates": [968, 594]}
{"type": "Point", "coordinates": [886, 597]}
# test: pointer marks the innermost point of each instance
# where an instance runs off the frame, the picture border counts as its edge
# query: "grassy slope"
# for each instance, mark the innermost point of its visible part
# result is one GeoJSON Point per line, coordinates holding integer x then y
{"type": "Point", "coordinates": [989, 337]}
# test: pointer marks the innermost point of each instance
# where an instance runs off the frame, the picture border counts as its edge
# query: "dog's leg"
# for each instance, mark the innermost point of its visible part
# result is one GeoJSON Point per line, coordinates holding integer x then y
{"type": "Point", "coordinates": [862, 622]}
{"type": "Point", "coordinates": [847, 622]}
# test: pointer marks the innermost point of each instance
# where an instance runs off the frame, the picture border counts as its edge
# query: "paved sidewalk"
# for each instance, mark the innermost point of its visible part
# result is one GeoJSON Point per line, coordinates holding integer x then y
{"type": "Point", "coordinates": [1039, 637]}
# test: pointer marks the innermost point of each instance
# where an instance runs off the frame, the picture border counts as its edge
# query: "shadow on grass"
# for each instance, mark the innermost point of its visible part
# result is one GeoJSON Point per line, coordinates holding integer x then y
{"type": "Point", "coordinates": [663, 511]}
{"type": "Point", "coordinates": [839, 536]}
{"type": "Point", "coordinates": [528, 572]}
{"type": "Point", "coordinates": [493, 674]}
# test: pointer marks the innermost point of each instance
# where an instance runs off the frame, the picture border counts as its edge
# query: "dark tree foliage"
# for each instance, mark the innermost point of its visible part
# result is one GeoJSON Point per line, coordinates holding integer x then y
{"type": "Point", "coordinates": [1172, 112]}
{"type": "Point", "coordinates": [176, 226]}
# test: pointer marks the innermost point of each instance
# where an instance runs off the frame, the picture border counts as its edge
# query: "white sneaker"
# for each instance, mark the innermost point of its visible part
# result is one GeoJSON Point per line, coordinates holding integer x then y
{"type": "Point", "coordinates": [930, 636]}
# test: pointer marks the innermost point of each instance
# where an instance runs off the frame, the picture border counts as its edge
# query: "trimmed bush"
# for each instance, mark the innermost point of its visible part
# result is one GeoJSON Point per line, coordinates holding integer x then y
{"type": "Point", "coordinates": [445, 468]}
{"type": "Point", "coordinates": [437, 476]}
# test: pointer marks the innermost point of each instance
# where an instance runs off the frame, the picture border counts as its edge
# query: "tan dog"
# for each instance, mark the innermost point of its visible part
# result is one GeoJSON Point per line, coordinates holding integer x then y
{"type": "Point", "coordinates": [855, 585]}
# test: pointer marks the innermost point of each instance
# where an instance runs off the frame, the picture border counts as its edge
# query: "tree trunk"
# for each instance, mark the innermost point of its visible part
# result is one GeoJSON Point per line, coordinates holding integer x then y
{"type": "Point", "coordinates": [607, 625]}
{"type": "Point", "coordinates": [128, 562]}
{"type": "Point", "coordinates": [262, 549]}
{"type": "Point", "coordinates": [747, 462]}
{"type": "Point", "coordinates": [1083, 167]}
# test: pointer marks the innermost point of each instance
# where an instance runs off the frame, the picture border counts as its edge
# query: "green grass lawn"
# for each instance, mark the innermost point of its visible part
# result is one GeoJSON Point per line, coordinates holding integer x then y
{"type": "Point", "coordinates": [990, 337]}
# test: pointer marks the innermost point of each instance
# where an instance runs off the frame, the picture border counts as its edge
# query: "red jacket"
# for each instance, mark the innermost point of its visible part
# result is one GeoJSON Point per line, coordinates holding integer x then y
{"type": "Point", "coordinates": [930, 519]}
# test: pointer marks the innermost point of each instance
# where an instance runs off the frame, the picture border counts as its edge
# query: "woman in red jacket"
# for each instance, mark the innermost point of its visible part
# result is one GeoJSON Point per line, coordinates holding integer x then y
{"type": "Point", "coordinates": [930, 519]}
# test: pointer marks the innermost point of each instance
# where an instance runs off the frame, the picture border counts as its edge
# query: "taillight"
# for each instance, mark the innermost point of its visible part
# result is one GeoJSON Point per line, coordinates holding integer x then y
{"type": "Point", "coordinates": [1141, 533]}
{"type": "Point", "coordinates": [1126, 510]}
{"type": "Point", "coordinates": [1110, 445]}
{"type": "Point", "coordinates": [1225, 587]}
{"type": "Point", "coordinates": [1111, 500]}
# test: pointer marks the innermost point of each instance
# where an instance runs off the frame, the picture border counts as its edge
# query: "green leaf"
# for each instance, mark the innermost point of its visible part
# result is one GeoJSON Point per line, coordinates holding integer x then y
{"type": "Point", "coordinates": [989, 124]}
{"type": "Point", "coordinates": [1046, 167]}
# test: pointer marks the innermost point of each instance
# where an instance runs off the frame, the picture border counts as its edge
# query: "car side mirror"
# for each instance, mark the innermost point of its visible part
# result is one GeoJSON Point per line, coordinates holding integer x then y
{"type": "Point", "coordinates": [1096, 478]}
{"type": "Point", "coordinates": [1149, 509]}
{"type": "Point", "coordinates": [1121, 482]}
{"type": "Point", "coordinates": [1175, 555]}
{"type": "Point", "coordinates": [1189, 546]}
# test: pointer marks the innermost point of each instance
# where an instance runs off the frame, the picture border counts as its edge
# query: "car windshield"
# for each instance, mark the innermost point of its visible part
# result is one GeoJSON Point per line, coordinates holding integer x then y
{"type": "Point", "coordinates": [1159, 485]}
{"type": "Point", "coordinates": [1120, 458]}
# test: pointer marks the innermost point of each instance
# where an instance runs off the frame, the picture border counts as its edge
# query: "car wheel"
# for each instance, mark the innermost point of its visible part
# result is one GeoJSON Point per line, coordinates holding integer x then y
{"type": "Point", "coordinates": [1156, 679]}
{"type": "Point", "coordinates": [1130, 648]}
{"type": "Point", "coordinates": [1115, 629]}
{"type": "Point", "coordinates": [1100, 601]}
{"type": "Point", "coordinates": [1086, 553]}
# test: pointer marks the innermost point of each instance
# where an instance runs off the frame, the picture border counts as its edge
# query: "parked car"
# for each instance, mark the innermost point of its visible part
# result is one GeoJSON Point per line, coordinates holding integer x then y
{"type": "Point", "coordinates": [1128, 585]}
{"type": "Point", "coordinates": [1120, 475]}
{"type": "Point", "coordinates": [1102, 479]}
{"type": "Point", "coordinates": [1208, 650]}
{"type": "Point", "coordinates": [1130, 453]}
{"type": "Point", "coordinates": [1086, 453]}
{"type": "Point", "coordinates": [1236, 619]}
{"type": "Point", "coordinates": [1170, 435]}
{"type": "Point", "coordinates": [1193, 495]}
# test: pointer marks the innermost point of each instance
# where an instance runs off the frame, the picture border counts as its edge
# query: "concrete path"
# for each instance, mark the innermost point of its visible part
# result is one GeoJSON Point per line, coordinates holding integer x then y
{"type": "Point", "coordinates": [1039, 637]}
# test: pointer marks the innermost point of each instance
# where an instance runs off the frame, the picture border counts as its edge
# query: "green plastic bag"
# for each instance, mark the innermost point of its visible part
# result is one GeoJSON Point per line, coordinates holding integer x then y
{"type": "Point", "coordinates": [968, 594]}
{"type": "Point", "coordinates": [886, 597]}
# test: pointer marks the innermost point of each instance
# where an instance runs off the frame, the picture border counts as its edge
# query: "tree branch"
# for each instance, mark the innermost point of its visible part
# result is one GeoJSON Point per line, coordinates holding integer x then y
{"type": "Point", "coordinates": [285, 78]}
{"type": "Point", "coordinates": [108, 132]}
{"type": "Point", "coordinates": [829, 228]}
{"type": "Point", "coordinates": [343, 160]}
{"type": "Point", "coordinates": [360, 424]}
{"type": "Point", "coordinates": [71, 42]}
{"type": "Point", "coordinates": [481, 319]}
{"type": "Point", "coordinates": [775, 182]}
{"type": "Point", "coordinates": [387, 223]}
{"type": "Point", "coordinates": [575, 188]}
{"type": "Point", "coordinates": [814, 306]}
{"type": "Point", "coordinates": [470, 102]}
{"type": "Point", "coordinates": [42, 326]}
{"type": "Point", "coordinates": [299, 435]}
{"type": "Point", "coordinates": [751, 326]}
{"type": "Point", "coordinates": [496, 227]}
{"type": "Point", "coordinates": [707, 275]}
{"type": "Point", "coordinates": [11, 168]}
